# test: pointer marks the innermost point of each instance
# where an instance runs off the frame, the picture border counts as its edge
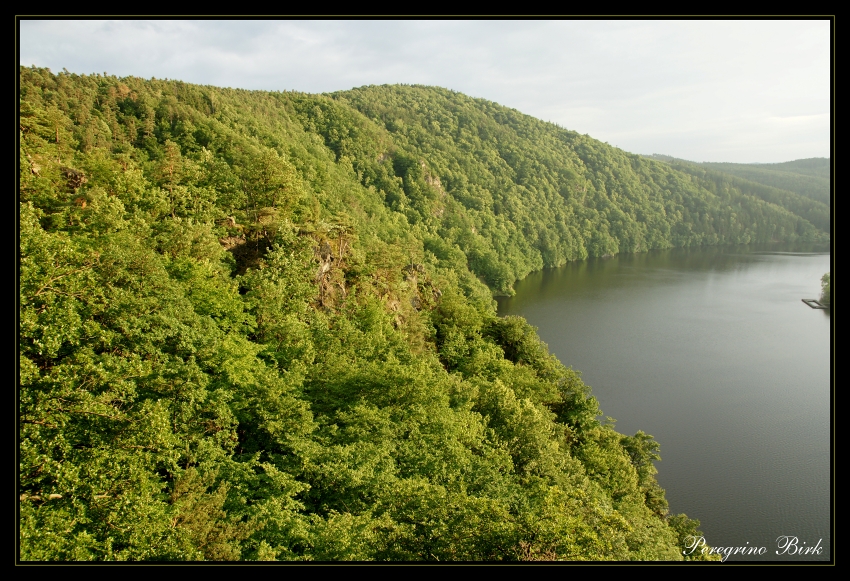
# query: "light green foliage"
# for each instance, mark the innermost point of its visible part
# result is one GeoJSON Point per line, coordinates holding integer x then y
{"type": "Point", "coordinates": [516, 194]}
{"type": "Point", "coordinates": [253, 326]}
{"type": "Point", "coordinates": [687, 531]}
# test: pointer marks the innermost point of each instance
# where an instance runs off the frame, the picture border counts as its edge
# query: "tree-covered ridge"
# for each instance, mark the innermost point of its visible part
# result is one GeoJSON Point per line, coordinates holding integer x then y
{"type": "Point", "coordinates": [517, 194]}
{"type": "Point", "coordinates": [237, 343]}
{"type": "Point", "coordinates": [813, 211]}
{"type": "Point", "coordinates": [810, 178]}
{"type": "Point", "coordinates": [807, 177]}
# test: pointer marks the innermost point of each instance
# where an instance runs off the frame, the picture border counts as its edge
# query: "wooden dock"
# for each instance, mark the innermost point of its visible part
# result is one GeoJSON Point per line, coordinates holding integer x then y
{"type": "Point", "coordinates": [815, 304]}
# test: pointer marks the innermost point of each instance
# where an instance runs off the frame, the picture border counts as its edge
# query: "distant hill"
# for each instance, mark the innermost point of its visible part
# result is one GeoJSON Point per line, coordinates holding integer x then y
{"type": "Point", "coordinates": [813, 166]}
{"type": "Point", "coordinates": [806, 177]}
{"type": "Point", "coordinates": [806, 195]}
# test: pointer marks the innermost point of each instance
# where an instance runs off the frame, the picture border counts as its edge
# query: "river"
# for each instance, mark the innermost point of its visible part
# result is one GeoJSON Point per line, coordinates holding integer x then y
{"type": "Point", "coordinates": [712, 352]}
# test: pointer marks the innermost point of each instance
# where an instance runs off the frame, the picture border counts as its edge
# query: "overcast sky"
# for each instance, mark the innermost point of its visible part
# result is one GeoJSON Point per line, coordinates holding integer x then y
{"type": "Point", "coordinates": [740, 91]}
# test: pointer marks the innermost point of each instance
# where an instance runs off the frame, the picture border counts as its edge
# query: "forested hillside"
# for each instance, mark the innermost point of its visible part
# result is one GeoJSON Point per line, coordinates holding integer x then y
{"type": "Point", "coordinates": [806, 177]}
{"type": "Point", "coordinates": [260, 325]}
{"type": "Point", "coordinates": [523, 194]}
{"type": "Point", "coordinates": [715, 181]}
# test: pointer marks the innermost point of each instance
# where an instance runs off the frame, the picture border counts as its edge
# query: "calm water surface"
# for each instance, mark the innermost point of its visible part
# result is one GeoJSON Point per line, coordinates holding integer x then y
{"type": "Point", "coordinates": [712, 352]}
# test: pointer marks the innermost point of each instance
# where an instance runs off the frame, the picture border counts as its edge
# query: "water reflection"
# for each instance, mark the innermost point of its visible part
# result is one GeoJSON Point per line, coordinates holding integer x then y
{"type": "Point", "coordinates": [713, 352]}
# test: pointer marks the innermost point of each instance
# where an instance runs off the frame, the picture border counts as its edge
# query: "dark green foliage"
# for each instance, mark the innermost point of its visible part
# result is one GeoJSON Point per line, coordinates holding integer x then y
{"type": "Point", "coordinates": [252, 327]}
{"type": "Point", "coordinates": [810, 210]}
{"type": "Point", "coordinates": [805, 177]}
{"type": "Point", "coordinates": [826, 290]}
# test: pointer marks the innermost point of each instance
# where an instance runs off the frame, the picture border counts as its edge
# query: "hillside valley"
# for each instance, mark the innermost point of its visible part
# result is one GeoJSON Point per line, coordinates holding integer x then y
{"type": "Point", "coordinates": [261, 326]}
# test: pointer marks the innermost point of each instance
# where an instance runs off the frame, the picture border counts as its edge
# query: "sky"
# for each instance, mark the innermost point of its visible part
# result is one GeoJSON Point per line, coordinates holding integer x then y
{"type": "Point", "coordinates": [741, 91]}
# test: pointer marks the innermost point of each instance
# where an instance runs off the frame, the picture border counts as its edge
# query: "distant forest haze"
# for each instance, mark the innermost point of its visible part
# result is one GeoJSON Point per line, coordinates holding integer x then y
{"type": "Point", "coordinates": [261, 326]}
